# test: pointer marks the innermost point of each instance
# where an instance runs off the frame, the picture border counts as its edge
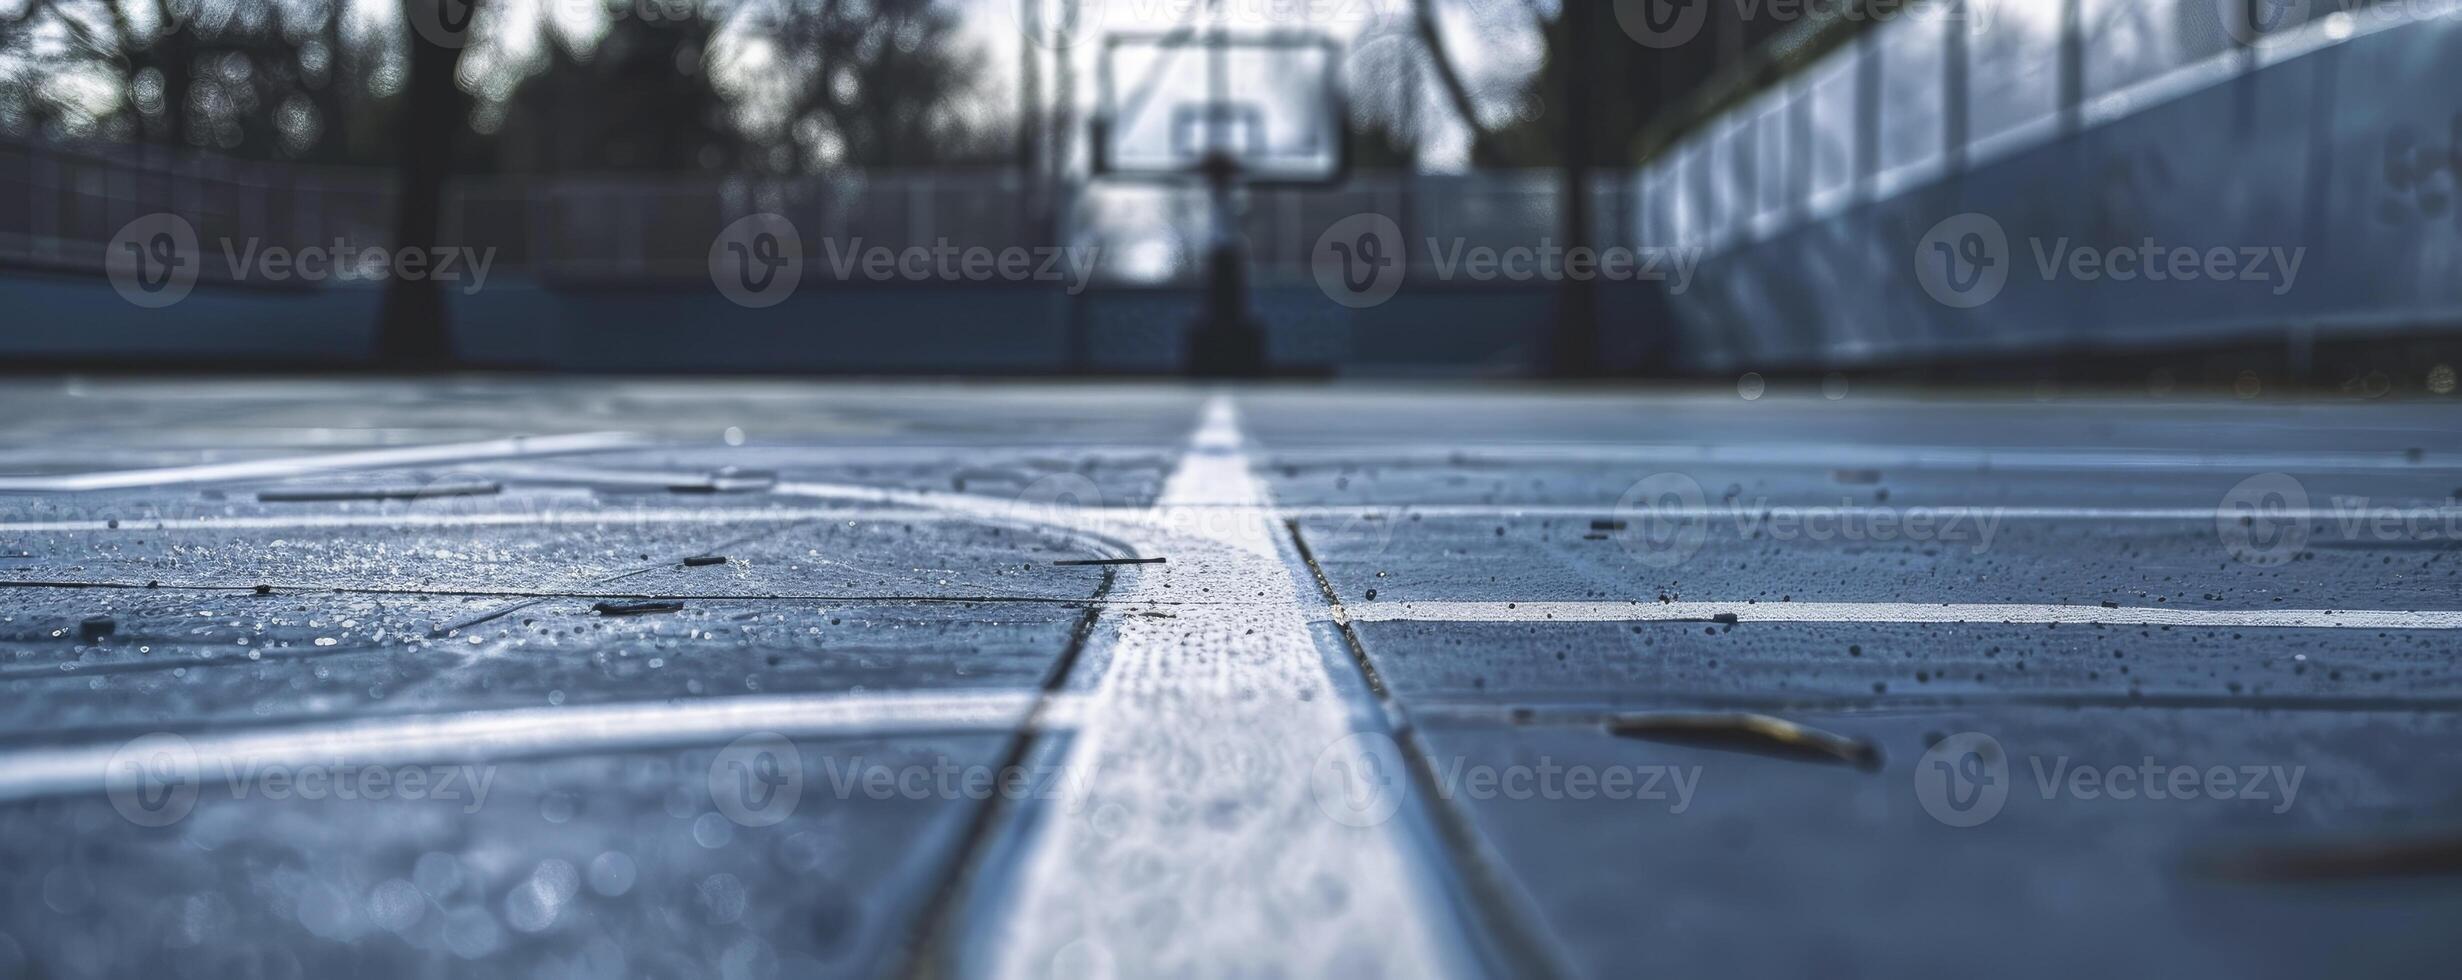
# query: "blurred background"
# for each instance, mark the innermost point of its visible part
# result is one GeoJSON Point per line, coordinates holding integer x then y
{"type": "Point", "coordinates": [1796, 162]}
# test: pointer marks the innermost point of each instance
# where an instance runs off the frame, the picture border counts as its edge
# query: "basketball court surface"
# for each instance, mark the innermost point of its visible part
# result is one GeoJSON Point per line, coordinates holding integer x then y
{"type": "Point", "coordinates": [600, 677]}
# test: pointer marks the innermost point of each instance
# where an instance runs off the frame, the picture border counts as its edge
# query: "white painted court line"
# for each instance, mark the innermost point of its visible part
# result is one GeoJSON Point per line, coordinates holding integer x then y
{"type": "Point", "coordinates": [1894, 612]}
{"type": "Point", "coordinates": [1196, 844]}
{"type": "Point", "coordinates": [409, 519]}
{"type": "Point", "coordinates": [868, 504]}
{"type": "Point", "coordinates": [1755, 510]}
{"type": "Point", "coordinates": [571, 730]}
{"type": "Point", "coordinates": [1855, 456]}
{"type": "Point", "coordinates": [286, 466]}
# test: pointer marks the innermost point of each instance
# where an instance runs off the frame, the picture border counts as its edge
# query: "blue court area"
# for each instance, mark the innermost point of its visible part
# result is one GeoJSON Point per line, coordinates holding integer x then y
{"type": "Point", "coordinates": [785, 679]}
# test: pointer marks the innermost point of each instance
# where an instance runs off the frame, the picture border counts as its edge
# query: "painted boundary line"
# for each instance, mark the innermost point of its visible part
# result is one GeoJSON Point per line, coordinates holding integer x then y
{"type": "Point", "coordinates": [1831, 456]}
{"type": "Point", "coordinates": [960, 507]}
{"type": "Point", "coordinates": [1895, 612]}
{"type": "Point", "coordinates": [1197, 844]}
{"type": "Point", "coordinates": [571, 730]}
{"type": "Point", "coordinates": [287, 466]}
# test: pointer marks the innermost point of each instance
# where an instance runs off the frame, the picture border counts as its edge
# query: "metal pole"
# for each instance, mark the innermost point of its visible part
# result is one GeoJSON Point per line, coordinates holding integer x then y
{"type": "Point", "coordinates": [1576, 342]}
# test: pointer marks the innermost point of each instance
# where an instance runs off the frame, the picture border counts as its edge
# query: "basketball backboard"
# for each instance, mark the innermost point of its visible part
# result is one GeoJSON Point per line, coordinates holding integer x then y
{"type": "Point", "coordinates": [1271, 104]}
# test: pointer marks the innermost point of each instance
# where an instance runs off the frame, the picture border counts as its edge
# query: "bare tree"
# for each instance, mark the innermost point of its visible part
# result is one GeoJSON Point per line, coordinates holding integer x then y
{"type": "Point", "coordinates": [1483, 150]}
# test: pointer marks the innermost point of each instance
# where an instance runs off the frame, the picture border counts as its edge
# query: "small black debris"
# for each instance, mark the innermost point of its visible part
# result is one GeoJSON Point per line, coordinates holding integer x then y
{"type": "Point", "coordinates": [2108, 604]}
{"type": "Point", "coordinates": [1111, 561]}
{"type": "Point", "coordinates": [95, 628]}
{"type": "Point", "coordinates": [1371, 595]}
{"type": "Point", "coordinates": [637, 608]}
{"type": "Point", "coordinates": [703, 561]}
{"type": "Point", "coordinates": [332, 494]}
{"type": "Point", "coordinates": [264, 590]}
{"type": "Point", "coordinates": [1727, 619]}
{"type": "Point", "coordinates": [1607, 525]}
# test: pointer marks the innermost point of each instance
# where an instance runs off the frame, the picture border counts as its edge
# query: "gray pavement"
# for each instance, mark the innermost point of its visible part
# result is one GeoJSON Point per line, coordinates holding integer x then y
{"type": "Point", "coordinates": [765, 679]}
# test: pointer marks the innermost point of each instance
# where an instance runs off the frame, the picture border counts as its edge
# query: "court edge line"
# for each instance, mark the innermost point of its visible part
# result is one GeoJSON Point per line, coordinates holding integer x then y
{"type": "Point", "coordinates": [1897, 612]}
{"type": "Point", "coordinates": [952, 507]}
{"type": "Point", "coordinates": [285, 466]}
{"type": "Point", "coordinates": [492, 735]}
{"type": "Point", "coordinates": [1214, 468]}
{"type": "Point", "coordinates": [1513, 927]}
{"type": "Point", "coordinates": [935, 938]}
{"type": "Point", "coordinates": [1562, 709]}
{"type": "Point", "coordinates": [1824, 455]}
